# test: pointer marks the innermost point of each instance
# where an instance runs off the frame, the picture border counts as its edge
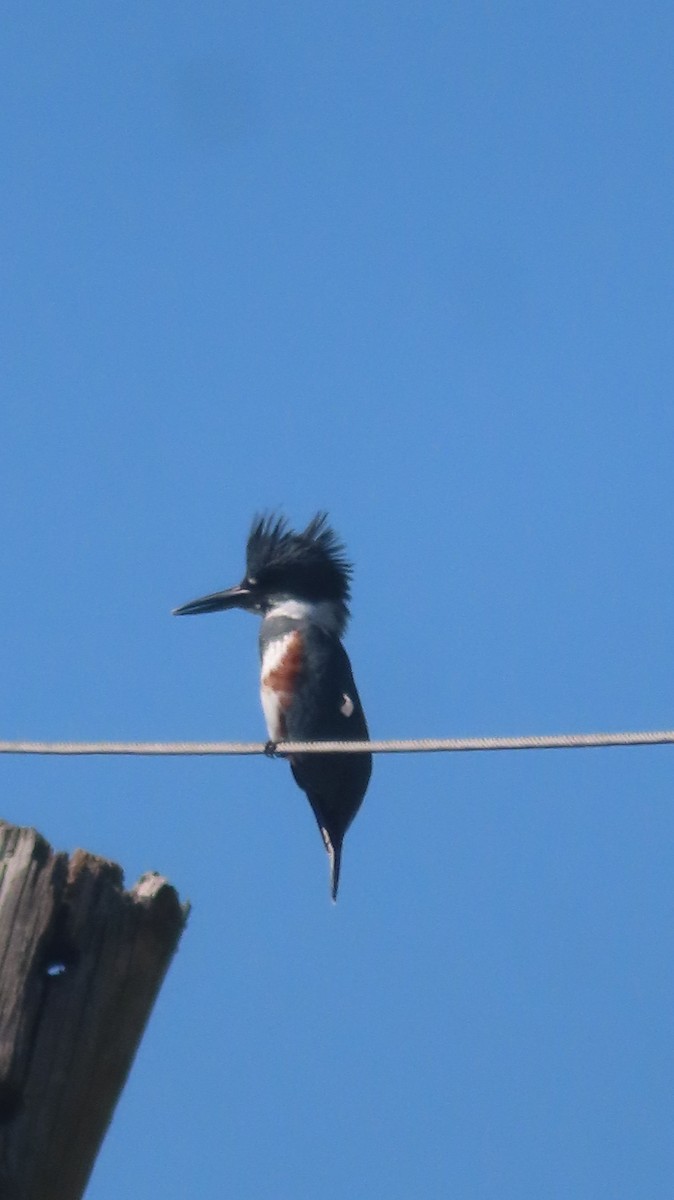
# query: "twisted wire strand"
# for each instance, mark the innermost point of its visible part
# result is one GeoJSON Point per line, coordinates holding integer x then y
{"type": "Point", "coordinates": [559, 741]}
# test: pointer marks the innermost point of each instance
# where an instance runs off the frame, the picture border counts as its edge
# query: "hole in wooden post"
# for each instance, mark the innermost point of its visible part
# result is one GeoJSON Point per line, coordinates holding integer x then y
{"type": "Point", "coordinates": [60, 958]}
{"type": "Point", "coordinates": [56, 968]}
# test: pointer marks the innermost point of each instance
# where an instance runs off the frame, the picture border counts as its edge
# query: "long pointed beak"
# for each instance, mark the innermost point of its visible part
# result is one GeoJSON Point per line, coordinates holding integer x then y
{"type": "Point", "coordinates": [236, 597]}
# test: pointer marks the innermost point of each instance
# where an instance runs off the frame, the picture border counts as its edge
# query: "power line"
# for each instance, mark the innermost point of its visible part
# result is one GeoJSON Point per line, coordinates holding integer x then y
{"type": "Point", "coordinates": [559, 741]}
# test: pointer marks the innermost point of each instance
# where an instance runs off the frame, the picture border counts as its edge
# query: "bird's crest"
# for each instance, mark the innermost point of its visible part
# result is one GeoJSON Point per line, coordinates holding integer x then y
{"type": "Point", "coordinates": [312, 561]}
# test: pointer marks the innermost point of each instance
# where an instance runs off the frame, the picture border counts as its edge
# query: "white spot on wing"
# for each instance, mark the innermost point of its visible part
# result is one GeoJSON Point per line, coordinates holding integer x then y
{"type": "Point", "coordinates": [346, 707]}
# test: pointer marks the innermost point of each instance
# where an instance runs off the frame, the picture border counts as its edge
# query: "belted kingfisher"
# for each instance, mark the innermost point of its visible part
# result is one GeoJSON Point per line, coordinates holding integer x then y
{"type": "Point", "coordinates": [299, 583]}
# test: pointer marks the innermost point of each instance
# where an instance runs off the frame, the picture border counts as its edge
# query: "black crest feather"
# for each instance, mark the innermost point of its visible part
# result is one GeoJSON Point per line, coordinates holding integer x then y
{"type": "Point", "coordinates": [314, 560]}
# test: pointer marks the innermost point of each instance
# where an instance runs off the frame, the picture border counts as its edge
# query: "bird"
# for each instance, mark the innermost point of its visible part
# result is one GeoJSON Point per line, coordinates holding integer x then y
{"type": "Point", "coordinates": [299, 583]}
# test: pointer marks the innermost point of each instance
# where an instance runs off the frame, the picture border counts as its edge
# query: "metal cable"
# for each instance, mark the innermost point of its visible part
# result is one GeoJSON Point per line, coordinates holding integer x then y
{"type": "Point", "coordinates": [560, 741]}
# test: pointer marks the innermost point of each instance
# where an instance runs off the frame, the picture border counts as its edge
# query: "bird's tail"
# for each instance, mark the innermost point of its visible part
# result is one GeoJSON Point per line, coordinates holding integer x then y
{"type": "Point", "coordinates": [335, 855]}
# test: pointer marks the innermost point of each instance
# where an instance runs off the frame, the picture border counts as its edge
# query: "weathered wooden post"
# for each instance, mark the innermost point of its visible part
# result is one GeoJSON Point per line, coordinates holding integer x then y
{"type": "Point", "coordinates": [81, 962]}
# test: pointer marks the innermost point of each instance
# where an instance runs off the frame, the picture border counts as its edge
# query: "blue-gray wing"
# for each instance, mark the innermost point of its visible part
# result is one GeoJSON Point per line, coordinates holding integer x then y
{"type": "Point", "coordinates": [326, 706]}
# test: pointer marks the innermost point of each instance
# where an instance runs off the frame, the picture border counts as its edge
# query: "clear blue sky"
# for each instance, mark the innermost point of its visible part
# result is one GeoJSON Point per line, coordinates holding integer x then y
{"type": "Point", "coordinates": [412, 264]}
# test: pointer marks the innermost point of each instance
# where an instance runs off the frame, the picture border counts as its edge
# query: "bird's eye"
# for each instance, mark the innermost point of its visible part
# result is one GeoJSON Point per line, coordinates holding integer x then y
{"type": "Point", "coordinates": [251, 582]}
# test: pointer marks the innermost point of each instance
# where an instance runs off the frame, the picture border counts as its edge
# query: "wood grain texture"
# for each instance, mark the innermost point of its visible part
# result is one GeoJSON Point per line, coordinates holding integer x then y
{"type": "Point", "coordinates": [81, 963]}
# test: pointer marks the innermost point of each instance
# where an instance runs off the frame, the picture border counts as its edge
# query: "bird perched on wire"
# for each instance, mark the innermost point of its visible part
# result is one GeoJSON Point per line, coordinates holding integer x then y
{"type": "Point", "coordinates": [299, 583]}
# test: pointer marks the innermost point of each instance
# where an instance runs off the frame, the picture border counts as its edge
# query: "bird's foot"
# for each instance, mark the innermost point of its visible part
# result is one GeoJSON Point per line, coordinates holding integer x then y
{"type": "Point", "coordinates": [271, 749]}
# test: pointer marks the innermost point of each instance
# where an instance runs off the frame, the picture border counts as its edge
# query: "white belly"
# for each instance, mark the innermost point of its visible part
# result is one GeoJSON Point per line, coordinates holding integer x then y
{"type": "Point", "coordinates": [279, 666]}
{"type": "Point", "coordinates": [272, 707]}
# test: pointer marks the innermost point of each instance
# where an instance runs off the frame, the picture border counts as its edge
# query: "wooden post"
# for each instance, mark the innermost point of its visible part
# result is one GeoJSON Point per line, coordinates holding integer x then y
{"type": "Point", "coordinates": [81, 962]}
